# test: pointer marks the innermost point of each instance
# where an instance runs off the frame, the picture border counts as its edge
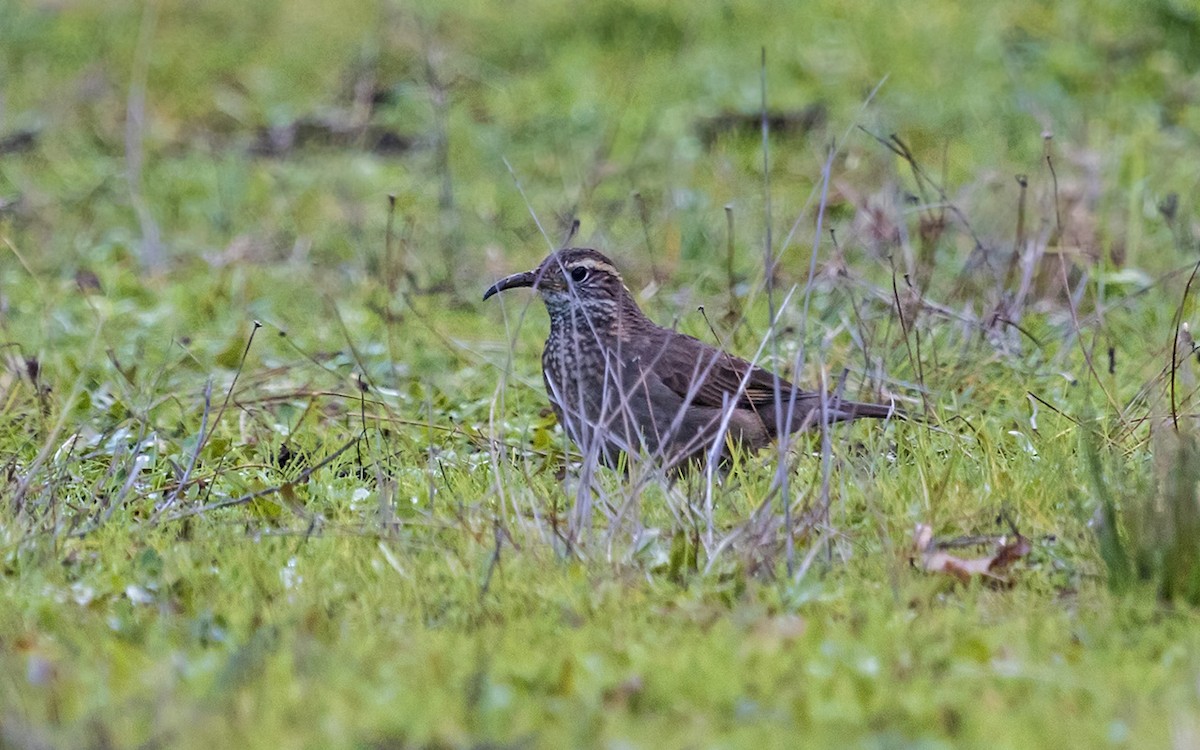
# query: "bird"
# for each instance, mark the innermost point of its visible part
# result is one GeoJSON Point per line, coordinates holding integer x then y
{"type": "Point", "coordinates": [624, 386]}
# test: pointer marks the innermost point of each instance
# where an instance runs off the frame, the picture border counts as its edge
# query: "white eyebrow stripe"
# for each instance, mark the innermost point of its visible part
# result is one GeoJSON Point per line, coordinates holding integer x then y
{"type": "Point", "coordinates": [593, 265]}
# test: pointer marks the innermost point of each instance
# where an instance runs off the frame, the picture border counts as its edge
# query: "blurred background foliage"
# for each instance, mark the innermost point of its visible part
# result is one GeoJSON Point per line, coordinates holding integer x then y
{"type": "Point", "coordinates": [591, 103]}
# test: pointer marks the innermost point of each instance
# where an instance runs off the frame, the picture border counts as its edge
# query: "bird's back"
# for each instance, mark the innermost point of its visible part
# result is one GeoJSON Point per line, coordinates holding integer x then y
{"type": "Point", "coordinates": [704, 377]}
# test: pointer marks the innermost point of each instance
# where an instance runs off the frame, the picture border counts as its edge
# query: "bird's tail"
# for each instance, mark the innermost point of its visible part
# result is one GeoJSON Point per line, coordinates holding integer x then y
{"type": "Point", "coordinates": [808, 412]}
{"type": "Point", "coordinates": [843, 411]}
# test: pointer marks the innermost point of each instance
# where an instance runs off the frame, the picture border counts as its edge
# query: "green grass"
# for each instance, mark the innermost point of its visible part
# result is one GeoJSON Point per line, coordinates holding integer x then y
{"type": "Point", "coordinates": [212, 536]}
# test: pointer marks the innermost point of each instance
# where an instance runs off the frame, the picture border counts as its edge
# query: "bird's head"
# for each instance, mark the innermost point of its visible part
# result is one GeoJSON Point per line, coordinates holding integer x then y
{"type": "Point", "coordinates": [569, 279]}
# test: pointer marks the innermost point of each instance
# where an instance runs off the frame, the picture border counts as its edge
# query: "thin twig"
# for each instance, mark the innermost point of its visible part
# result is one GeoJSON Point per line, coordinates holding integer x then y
{"type": "Point", "coordinates": [268, 491]}
{"type": "Point", "coordinates": [1175, 345]}
{"type": "Point", "coordinates": [187, 472]}
{"type": "Point", "coordinates": [225, 404]}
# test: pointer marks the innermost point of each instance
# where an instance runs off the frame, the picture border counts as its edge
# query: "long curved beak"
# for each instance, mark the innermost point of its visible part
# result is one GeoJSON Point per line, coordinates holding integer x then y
{"type": "Point", "coordinates": [528, 278]}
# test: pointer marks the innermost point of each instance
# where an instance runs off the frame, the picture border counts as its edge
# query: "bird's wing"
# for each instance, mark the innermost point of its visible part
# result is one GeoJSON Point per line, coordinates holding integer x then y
{"type": "Point", "coordinates": [712, 377]}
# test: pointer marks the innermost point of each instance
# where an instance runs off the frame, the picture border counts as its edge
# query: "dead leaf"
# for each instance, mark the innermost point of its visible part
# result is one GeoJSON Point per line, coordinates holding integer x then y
{"type": "Point", "coordinates": [935, 559]}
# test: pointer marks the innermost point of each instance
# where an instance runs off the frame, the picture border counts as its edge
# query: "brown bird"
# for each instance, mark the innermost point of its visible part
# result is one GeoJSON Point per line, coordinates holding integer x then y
{"type": "Point", "coordinates": [620, 384]}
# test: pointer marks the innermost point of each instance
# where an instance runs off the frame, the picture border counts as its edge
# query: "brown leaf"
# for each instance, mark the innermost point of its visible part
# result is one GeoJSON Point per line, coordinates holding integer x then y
{"type": "Point", "coordinates": [936, 560]}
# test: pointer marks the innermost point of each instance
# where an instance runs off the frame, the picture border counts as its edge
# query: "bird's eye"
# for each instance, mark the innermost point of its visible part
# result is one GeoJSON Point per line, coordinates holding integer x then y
{"type": "Point", "coordinates": [578, 274]}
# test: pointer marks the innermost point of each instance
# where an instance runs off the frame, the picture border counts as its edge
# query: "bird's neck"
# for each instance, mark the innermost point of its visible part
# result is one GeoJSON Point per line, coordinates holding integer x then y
{"type": "Point", "coordinates": [607, 318]}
